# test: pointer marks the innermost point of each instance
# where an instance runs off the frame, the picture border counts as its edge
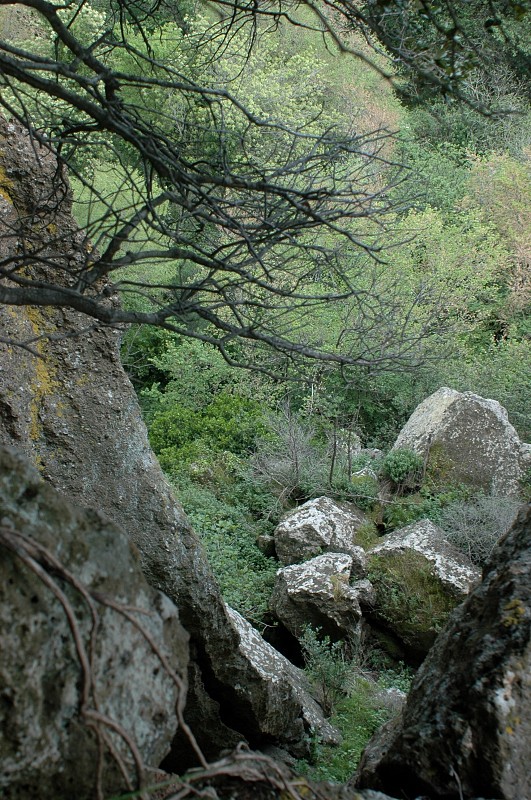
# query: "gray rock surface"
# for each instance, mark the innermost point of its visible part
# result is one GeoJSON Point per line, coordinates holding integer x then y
{"type": "Point", "coordinates": [474, 438]}
{"type": "Point", "coordinates": [49, 695]}
{"type": "Point", "coordinates": [74, 413]}
{"type": "Point", "coordinates": [318, 526]}
{"type": "Point", "coordinates": [318, 593]}
{"type": "Point", "coordinates": [287, 695]}
{"type": "Point", "coordinates": [419, 578]}
{"type": "Point", "coordinates": [466, 728]}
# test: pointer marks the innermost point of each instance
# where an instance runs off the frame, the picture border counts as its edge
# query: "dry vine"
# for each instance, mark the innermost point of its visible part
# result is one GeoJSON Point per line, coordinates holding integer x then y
{"type": "Point", "coordinates": [51, 572]}
{"type": "Point", "coordinates": [241, 765]}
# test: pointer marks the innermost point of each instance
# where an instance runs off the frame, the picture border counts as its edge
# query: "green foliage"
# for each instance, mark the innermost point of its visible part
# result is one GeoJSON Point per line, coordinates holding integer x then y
{"type": "Point", "coordinates": [357, 717]}
{"type": "Point", "coordinates": [410, 595]}
{"type": "Point", "coordinates": [403, 466]}
{"type": "Point", "coordinates": [228, 533]}
{"type": "Point", "coordinates": [229, 423]}
{"type": "Point", "coordinates": [363, 490]}
{"type": "Point", "coordinates": [399, 513]}
{"type": "Point", "coordinates": [367, 535]}
{"type": "Point", "coordinates": [365, 706]}
{"type": "Point", "coordinates": [326, 666]}
{"type": "Point", "coordinates": [441, 168]}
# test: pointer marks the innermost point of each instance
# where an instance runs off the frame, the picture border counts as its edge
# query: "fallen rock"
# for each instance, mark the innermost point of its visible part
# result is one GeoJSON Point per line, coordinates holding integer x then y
{"type": "Point", "coordinates": [318, 526]}
{"type": "Point", "coordinates": [318, 593]}
{"type": "Point", "coordinates": [287, 711]}
{"type": "Point", "coordinates": [418, 578]}
{"type": "Point", "coordinates": [472, 440]}
{"type": "Point", "coordinates": [466, 727]}
{"type": "Point", "coordinates": [63, 568]}
{"type": "Point", "coordinates": [74, 413]}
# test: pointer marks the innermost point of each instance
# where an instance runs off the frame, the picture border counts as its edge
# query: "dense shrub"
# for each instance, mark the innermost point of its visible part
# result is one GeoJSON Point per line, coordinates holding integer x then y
{"type": "Point", "coordinates": [404, 467]}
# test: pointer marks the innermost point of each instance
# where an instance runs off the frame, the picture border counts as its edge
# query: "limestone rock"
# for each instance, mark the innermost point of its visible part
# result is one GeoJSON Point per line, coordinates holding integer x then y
{"type": "Point", "coordinates": [285, 707]}
{"type": "Point", "coordinates": [75, 414]}
{"type": "Point", "coordinates": [466, 728]}
{"type": "Point", "coordinates": [472, 436]}
{"type": "Point", "coordinates": [47, 744]}
{"type": "Point", "coordinates": [319, 593]}
{"type": "Point", "coordinates": [318, 526]}
{"type": "Point", "coordinates": [419, 578]}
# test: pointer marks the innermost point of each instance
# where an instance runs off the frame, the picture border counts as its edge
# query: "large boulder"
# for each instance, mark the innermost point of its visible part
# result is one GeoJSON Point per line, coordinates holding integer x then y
{"type": "Point", "coordinates": [466, 728]}
{"type": "Point", "coordinates": [470, 439]}
{"type": "Point", "coordinates": [418, 577]}
{"type": "Point", "coordinates": [287, 711]}
{"type": "Point", "coordinates": [74, 412]}
{"type": "Point", "coordinates": [319, 593]}
{"type": "Point", "coordinates": [318, 526]}
{"type": "Point", "coordinates": [76, 666]}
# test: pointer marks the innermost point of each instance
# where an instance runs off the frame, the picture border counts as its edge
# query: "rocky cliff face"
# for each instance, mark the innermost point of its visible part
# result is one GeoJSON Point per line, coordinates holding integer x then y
{"type": "Point", "coordinates": [73, 411]}
{"type": "Point", "coordinates": [81, 670]}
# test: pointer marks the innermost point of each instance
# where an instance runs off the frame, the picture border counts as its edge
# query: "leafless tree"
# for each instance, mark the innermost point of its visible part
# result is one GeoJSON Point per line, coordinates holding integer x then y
{"type": "Point", "coordinates": [200, 236]}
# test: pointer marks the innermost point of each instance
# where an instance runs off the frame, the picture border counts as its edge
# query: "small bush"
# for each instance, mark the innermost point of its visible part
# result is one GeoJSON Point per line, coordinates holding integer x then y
{"type": "Point", "coordinates": [364, 490]}
{"type": "Point", "coordinates": [327, 667]}
{"type": "Point", "coordinates": [359, 713]}
{"type": "Point", "coordinates": [404, 467]}
{"type": "Point", "coordinates": [475, 526]}
{"type": "Point", "coordinates": [407, 510]}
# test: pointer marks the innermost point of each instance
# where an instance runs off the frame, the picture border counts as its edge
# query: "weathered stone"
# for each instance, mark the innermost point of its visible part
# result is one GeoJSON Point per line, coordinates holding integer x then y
{"type": "Point", "coordinates": [266, 545]}
{"type": "Point", "coordinates": [466, 728]}
{"type": "Point", "coordinates": [48, 693]}
{"type": "Point", "coordinates": [318, 593]}
{"type": "Point", "coordinates": [286, 709]}
{"type": "Point", "coordinates": [318, 526]}
{"type": "Point", "coordinates": [473, 438]}
{"type": "Point", "coordinates": [74, 413]}
{"type": "Point", "coordinates": [419, 578]}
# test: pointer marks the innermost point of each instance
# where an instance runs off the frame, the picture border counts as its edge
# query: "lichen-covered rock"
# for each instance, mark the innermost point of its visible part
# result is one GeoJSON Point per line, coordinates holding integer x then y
{"type": "Point", "coordinates": [287, 711]}
{"type": "Point", "coordinates": [54, 678]}
{"type": "Point", "coordinates": [318, 526]}
{"type": "Point", "coordinates": [471, 437]}
{"type": "Point", "coordinates": [418, 578]}
{"type": "Point", "coordinates": [318, 593]}
{"type": "Point", "coordinates": [74, 412]}
{"type": "Point", "coordinates": [466, 728]}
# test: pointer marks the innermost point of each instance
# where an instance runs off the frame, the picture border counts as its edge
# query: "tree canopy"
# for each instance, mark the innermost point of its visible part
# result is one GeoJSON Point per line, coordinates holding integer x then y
{"type": "Point", "coordinates": [212, 213]}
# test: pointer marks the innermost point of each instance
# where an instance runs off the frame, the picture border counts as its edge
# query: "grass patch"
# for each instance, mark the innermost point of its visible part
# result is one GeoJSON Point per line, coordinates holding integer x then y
{"type": "Point", "coordinates": [358, 716]}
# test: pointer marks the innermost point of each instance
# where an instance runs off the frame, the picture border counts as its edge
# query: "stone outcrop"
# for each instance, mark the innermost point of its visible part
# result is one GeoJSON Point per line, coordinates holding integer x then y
{"type": "Point", "coordinates": [54, 678]}
{"type": "Point", "coordinates": [287, 711]}
{"type": "Point", "coordinates": [319, 593]}
{"type": "Point", "coordinates": [73, 411]}
{"type": "Point", "coordinates": [471, 438]}
{"type": "Point", "coordinates": [466, 728]}
{"type": "Point", "coordinates": [318, 526]}
{"type": "Point", "coordinates": [418, 578]}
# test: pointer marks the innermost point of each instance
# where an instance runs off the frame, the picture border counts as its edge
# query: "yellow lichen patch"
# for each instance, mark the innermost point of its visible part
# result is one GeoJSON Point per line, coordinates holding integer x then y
{"type": "Point", "coordinates": [44, 382]}
{"type": "Point", "coordinates": [339, 583]}
{"type": "Point", "coordinates": [301, 789]}
{"type": "Point", "coordinates": [514, 612]}
{"type": "Point", "coordinates": [5, 186]}
{"type": "Point", "coordinates": [510, 729]}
